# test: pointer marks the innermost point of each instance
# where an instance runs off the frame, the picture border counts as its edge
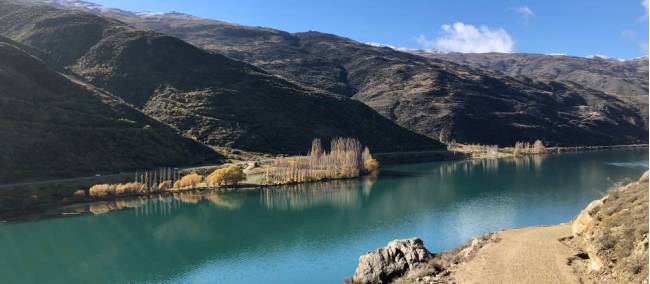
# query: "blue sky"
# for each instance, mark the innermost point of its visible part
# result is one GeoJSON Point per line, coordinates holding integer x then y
{"type": "Point", "coordinates": [597, 27]}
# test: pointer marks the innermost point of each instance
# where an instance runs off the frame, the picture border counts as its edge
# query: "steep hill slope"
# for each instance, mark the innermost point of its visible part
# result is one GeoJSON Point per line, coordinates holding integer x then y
{"type": "Point", "coordinates": [613, 232]}
{"type": "Point", "coordinates": [437, 98]}
{"type": "Point", "coordinates": [624, 77]}
{"type": "Point", "coordinates": [472, 105]}
{"type": "Point", "coordinates": [211, 97]}
{"type": "Point", "coordinates": [53, 125]}
{"type": "Point", "coordinates": [627, 79]}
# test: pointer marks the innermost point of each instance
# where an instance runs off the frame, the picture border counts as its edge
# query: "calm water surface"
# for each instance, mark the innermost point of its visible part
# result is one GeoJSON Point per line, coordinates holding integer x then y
{"type": "Point", "coordinates": [311, 233]}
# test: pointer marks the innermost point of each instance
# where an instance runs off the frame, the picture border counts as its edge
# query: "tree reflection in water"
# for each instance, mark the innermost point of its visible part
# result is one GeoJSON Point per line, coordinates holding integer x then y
{"type": "Point", "coordinates": [335, 193]}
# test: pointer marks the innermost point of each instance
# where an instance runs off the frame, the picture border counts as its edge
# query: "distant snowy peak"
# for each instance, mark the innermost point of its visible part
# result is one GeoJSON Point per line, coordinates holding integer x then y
{"type": "Point", "coordinates": [419, 51]}
{"type": "Point", "coordinates": [97, 8]}
{"type": "Point", "coordinates": [150, 14]}
{"type": "Point", "coordinates": [72, 4]}
{"type": "Point", "coordinates": [405, 49]}
{"type": "Point", "coordinates": [173, 14]}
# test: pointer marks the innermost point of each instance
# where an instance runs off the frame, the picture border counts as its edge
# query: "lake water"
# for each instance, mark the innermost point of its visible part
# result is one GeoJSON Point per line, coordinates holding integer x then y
{"type": "Point", "coordinates": [311, 233]}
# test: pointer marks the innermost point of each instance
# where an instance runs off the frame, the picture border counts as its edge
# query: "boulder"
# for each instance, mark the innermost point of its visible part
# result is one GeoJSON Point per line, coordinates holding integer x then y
{"type": "Point", "coordinates": [394, 260]}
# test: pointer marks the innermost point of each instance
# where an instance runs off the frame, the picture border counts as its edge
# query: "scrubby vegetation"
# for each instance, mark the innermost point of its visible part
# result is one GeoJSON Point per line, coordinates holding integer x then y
{"type": "Point", "coordinates": [104, 190]}
{"type": "Point", "coordinates": [190, 180]}
{"type": "Point", "coordinates": [162, 180]}
{"type": "Point", "coordinates": [522, 148]}
{"type": "Point", "coordinates": [613, 232]}
{"type": "Point", "coordinates": [494, 151]}
{"type": "Point", "coordinates": [231, 175]}
{"type": "Point", "coordinates": [346, 159]}
{"type": "Point", "coordinates": [101, 190]}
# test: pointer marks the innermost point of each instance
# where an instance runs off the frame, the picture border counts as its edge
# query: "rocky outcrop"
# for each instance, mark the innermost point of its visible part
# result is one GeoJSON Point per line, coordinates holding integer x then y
{"type": "Point", "coordinates": [390, 262]}
{"type": "Point", "coordinates": [613, 232]}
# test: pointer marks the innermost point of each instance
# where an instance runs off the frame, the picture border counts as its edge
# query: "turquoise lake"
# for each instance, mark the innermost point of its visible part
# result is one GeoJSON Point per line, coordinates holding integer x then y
{"type": "Point", "coordinates": [311, 233]}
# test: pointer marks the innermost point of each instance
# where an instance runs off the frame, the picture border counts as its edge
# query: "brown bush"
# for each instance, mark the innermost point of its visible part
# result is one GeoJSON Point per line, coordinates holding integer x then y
{"type": "Point", "coordinates": [216, 178]}
{"type": "Point", "coordinates": [190, 180]}
{"type": "Point", "coordinates": [79, 194]}
{"type": "Point", "coordinates": [131, 188]}
{"type": "Point", "coordinates": [371, 165]}
{"type": "Point", "coordinates": [102, 190]}
{"type": "Point", "coordinates": [231, 175]}
{"type": "Point", "coordinates": [165, 185]}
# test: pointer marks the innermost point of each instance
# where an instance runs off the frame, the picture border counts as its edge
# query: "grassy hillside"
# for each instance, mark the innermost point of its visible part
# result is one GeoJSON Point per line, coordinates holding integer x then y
{"type": "Point", "coordinates": [53, 125]}
{"type": "Point", "coordinates": [613, 233]}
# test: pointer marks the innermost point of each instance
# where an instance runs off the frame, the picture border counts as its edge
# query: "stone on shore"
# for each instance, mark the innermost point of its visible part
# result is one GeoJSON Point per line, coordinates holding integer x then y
{"type": "Point", "coordinates": [394, 260]}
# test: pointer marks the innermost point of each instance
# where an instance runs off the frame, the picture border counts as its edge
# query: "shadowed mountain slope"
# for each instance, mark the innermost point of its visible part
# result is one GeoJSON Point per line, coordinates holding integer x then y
{"type": "Point", "coordinates": [213, 98]}
{"type": "Point", "coordinates": [53, 125]}
{"type": "Point", "coordinates": [626, 79]}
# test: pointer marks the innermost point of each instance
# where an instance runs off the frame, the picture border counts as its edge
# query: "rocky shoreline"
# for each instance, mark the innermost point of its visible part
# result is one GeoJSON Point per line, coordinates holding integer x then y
{"type": "Point", "coordinates": [606, 243]}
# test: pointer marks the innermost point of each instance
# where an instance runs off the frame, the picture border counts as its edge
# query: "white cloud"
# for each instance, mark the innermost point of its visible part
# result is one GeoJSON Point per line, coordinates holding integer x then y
{"type": "Point", "coordinates": [644, 3]}
{"type": "Point", "coordinates": [377, 44]}
{"type": "Point", "coordinates": [524, 11]}
{"type": "Point", "coordinates": [460, 37]}
{"type": "Point", "coordinates": [628, 34]}
{"type": "Point", "coordinates": [644, 46]}
{"type": "Point", "coordinates": [597, 56]}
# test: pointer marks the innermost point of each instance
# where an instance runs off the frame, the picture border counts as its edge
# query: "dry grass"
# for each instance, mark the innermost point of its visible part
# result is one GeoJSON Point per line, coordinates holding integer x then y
{"type": "Point", "coordinates": [346, 159]}
{"type": "Point", "coordinates": [616, 234]}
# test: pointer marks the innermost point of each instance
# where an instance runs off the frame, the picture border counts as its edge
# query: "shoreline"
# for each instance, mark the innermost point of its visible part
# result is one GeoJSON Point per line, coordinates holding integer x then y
{"type": "Point", "coordinates": [386, 158]}
{"type": "Point", "coordinates": [24, 190]}
{"type": "Point", "coordinates": [605, 243]}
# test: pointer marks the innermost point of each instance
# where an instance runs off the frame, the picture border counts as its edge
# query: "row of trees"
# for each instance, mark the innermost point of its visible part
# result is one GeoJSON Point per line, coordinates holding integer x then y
{"type": "Point", "coordinates": [520, 148]}
{"type": "Point", "coordinates": [524, 148]}
{"type": "Point", "coordinates": [228, 176]}
{"type": "Point", "coordinates": [346, 159]}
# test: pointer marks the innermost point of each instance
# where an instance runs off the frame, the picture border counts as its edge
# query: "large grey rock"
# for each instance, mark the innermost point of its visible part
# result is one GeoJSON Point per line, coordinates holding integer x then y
{"type": "Point", "coordinates": [394, 260]}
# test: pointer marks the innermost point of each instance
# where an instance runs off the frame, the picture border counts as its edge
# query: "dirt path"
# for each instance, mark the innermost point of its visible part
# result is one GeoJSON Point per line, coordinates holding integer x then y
{"type": "Point", "coordinates": [528, 255]}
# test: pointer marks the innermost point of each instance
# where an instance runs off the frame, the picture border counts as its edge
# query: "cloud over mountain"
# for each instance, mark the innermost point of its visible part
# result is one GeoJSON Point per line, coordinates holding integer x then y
{"type": "Point", "coordinates": [461, 37]}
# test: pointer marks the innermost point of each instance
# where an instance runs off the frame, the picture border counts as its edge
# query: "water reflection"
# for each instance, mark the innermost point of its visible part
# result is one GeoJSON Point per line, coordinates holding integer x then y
{"type": "Point", "coordinates": [337, 193]}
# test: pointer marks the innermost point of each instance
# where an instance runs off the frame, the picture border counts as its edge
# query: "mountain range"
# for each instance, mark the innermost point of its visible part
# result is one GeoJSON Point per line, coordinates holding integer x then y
{"type": "Point", "coordinates": [626, 79]}
{"type": "Point", "coordinates": [215, 99]}
{"type": "Point", "coordinates": [265, 90]}
{"type": "Point", "coordinates": [438, 98]}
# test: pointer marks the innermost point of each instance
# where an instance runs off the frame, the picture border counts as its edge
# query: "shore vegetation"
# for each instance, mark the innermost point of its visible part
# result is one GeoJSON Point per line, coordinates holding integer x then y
{"type": "Point", "coordinates": [347, 158]}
